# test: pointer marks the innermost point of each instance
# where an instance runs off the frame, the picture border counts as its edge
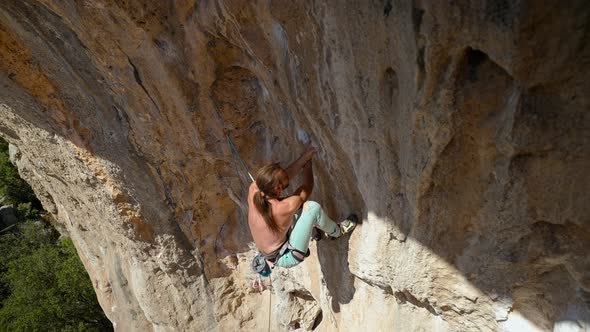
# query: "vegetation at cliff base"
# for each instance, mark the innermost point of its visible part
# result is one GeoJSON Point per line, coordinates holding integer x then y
{"type": "Point", "coordinates": [43, 284]}
{"type": "Point", "coordinates": [13, 189]}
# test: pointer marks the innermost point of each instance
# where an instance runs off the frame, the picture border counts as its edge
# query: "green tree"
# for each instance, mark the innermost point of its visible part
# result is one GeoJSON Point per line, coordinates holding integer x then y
{"type": "Point", "coordinates": [14, 189]}
{"type": "Point", "coordinates": [49, 287]}
{"type": "Point", "coordinates": [43, 284]}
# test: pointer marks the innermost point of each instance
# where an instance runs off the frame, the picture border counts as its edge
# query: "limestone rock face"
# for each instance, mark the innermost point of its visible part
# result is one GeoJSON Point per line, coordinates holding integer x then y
{"type": "Point", "coordinates": [459, 131]}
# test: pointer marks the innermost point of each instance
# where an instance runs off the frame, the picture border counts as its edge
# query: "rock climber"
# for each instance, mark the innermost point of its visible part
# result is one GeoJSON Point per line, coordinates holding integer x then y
{"type": "Point", "coordinates": [271, 216]}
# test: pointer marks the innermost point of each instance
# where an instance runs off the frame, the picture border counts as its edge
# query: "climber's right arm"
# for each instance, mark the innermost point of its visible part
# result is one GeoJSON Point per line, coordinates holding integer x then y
{"type": "Point", "coordinates": [305, 190]}
{"type": "Point", "coordinates": [296, 166]}
{"type": "Point", "coordinates": [300, 196]}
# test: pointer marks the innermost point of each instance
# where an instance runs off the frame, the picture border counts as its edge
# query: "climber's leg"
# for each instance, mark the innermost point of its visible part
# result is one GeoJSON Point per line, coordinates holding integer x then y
{"type": "Point", "coordinates": [311, 215]}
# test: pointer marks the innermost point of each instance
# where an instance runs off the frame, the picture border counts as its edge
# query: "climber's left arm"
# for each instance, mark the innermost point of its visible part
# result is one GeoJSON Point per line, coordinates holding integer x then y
{"type": "Point", "coordinates": [296, 166]}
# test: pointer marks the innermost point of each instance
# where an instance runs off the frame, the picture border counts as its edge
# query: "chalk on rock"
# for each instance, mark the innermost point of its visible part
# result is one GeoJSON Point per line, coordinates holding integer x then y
{"type": "Point", "coordinates": [302, 136]}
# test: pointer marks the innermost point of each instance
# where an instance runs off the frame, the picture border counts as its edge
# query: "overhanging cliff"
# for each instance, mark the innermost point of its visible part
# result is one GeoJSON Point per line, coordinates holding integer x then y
{"type": "Point", "coordinates": [460, 132]}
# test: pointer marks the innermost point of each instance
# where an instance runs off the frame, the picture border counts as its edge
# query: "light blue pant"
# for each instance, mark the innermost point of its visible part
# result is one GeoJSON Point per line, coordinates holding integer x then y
{"type": "Point", "coordinates": [312, 214]}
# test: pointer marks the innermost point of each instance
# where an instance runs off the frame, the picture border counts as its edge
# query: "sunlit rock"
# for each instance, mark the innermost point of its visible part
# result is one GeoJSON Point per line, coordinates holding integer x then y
{"type": "Point", "coordinates": [457, 130]}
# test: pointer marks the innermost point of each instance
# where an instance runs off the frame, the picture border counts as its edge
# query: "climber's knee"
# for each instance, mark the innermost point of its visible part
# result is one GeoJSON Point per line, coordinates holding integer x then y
{"type": "Point", "coordinates": [288, 261]}
{"type": "Point", "coordinates": [311, 206]}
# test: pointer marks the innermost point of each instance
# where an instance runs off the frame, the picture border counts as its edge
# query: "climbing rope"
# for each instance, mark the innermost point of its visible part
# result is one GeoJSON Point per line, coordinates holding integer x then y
{"type": "Point", "coordinates": [269, 301]}
{"type": "Point", "coordinates": [235, 150]}
{"type": "Point", "coordinates": [257, 282]}
{"type": "Point", "coordinates": [259, 286]}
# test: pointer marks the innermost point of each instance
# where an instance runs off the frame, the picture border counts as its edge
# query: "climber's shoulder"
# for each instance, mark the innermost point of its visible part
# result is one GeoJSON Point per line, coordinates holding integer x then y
{"type": "Point", "coordinates": [289, 205]}
{"type": "Point", "coordinates": [251, 191]}
{"type": "Point", "coordinates": [253, 188]}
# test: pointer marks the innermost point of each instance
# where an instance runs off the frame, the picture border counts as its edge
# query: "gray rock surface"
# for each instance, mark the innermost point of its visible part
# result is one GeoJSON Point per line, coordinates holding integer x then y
{"type": "Point", "coordinates": [13, 153]}
{"type": "Point", "coordinates": [459, 131]}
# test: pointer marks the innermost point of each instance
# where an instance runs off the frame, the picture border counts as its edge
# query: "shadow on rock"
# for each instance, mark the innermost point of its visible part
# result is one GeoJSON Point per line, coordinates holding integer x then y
{"type": "Point", "coordinates": [333, 257]}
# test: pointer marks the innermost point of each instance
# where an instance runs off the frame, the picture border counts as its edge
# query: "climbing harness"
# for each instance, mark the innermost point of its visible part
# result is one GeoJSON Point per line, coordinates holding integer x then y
{"type": "Point", "coordinates": [260, 263]}
{"type": "Point", "coordinates": [285, 249]}
{"type": "Point", "coordinates": [235, 150]}
{"type": "Point", "coordinates": [260, 266]}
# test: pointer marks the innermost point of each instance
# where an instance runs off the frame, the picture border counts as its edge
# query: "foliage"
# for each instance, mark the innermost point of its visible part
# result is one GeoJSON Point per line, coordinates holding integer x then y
{"type": "Point", "coordinates": [49, 286]}
{"type": "Point", "coordinates": [14, 189]}
{"type": "Point", "coordinates": [43, 284]}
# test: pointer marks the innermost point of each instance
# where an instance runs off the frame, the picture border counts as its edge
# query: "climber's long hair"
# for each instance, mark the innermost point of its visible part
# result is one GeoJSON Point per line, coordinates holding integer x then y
{"type": "Point", "coordinates": [267, 178]}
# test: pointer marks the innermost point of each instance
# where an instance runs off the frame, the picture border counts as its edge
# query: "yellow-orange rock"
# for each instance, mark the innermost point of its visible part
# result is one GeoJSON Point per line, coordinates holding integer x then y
{"type": "Point", "coordinates": [458, 130]}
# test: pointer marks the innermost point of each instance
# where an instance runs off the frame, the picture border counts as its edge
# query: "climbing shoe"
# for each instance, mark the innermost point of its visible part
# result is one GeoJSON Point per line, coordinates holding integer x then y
{"type": "Point", "coordinates": [348, 224]}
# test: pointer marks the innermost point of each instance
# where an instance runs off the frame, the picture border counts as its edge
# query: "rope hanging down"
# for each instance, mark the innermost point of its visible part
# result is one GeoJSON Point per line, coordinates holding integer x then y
{"type": "Point", "coordinates": [235, 150]}
{"type": "Point", "coordinates": [257, 283]}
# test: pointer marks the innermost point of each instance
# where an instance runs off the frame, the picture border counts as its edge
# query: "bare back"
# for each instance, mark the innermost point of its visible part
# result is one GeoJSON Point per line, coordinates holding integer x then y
{"type": "Point", "coordinates": [282, 212]}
